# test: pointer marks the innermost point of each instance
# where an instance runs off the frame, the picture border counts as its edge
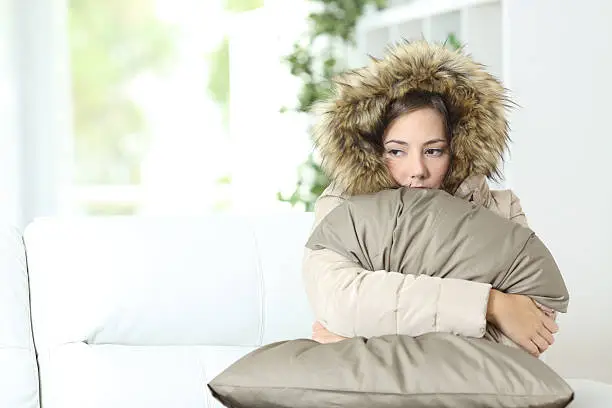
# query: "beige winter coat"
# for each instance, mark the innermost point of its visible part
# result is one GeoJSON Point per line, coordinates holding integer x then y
{"type": "Point", "coordinates": [342, 293]}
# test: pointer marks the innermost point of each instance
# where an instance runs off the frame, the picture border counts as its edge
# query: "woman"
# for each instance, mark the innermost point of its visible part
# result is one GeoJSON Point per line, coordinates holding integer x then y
{"type": "Point", "coordinates": [422, 117]}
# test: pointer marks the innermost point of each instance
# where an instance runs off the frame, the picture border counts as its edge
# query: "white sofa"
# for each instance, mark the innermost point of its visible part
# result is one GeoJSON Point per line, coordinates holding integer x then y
{"type": "Point", "coordinates": [143, 312]}
{"type": "Point", "coordinates": [18, 371]}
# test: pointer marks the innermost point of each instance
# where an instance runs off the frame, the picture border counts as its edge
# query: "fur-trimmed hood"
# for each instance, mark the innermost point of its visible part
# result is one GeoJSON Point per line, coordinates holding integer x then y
{"type": "Point", "coordinates": [475, 99]}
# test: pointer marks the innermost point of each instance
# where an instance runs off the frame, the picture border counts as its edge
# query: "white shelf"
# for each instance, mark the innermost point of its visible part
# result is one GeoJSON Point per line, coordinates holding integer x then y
{"type": "Point", "coordinates": [415, 10]}
{"type": "Point", "coordinates": [376, 42]}
{"type": "Point", "coordinates": [477, 24]}
{"type": "Point", "coordinates": [481, 33]}
{"type": "Point", "coordinates": [410, 30]}
{"type": "Point", "coordinates": [442, 25]}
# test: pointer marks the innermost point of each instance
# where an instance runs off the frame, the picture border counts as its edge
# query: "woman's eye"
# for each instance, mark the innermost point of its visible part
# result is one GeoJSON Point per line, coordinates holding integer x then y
{"type": "Point", "coordinates": [434, 152]}
{"type": "Point", "coordinates": [395, 152]}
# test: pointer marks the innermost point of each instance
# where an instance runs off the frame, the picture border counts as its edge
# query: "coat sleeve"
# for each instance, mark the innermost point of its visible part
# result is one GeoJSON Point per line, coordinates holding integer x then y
{"type": "Point", "coordinates": [351, 301]}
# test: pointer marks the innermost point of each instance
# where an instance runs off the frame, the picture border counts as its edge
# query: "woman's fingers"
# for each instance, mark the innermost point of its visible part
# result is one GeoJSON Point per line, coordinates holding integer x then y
{"type": "Point", "coordinates": [549, 324]}
{"type": "Point", "coordinates": [531, 348]}
{"type": "Point", "coordinates": [326, 337]}
{"type": "Point", "coordinates": [321, 335]}
{"type": "Point", "coordinates": [541, 343]}
{"type": "Point", "coordinates": [546, 335]}
{"type": "Point", "coordinates": [317, 326]}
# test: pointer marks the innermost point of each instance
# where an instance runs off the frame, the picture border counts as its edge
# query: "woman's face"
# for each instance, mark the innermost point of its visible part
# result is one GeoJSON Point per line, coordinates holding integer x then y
{"type": "Point", "coordinates": [416, 150]}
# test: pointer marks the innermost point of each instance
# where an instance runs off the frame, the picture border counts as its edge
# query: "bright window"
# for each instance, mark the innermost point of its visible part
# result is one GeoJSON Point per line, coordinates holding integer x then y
{"type": "Point", "coordinates": [176, 105]}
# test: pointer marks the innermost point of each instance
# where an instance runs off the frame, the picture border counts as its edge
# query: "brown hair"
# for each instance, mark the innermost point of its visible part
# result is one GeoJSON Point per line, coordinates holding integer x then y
{"type": "Point", "coordinates": [416, 100]}
{"type": "Point", "coordinates": [410, 102]}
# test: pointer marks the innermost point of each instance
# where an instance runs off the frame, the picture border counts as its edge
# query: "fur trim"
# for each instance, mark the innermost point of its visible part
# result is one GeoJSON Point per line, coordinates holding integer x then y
{"type": "Point", "coordinates": [476, 100]}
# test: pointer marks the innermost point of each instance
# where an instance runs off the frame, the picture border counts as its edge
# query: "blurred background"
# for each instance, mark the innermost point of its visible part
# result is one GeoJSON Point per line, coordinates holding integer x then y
{"type": "Point", "coordinates": [195, 107]}
{"type": "Point", "coordinates": [149, 107]}
{"type": "Point", "coordinates": [164, 107]}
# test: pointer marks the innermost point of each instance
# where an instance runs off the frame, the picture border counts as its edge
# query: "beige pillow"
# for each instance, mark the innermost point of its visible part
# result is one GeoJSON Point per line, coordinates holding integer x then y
{"type": "Point", "coordinates": [432, 370]}
{"type": "Point", "coordinates": [430, 232]}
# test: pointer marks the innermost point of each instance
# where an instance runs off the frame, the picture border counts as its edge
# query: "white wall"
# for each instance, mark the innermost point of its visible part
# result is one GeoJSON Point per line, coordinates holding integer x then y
{"type": "Point", "coordinates": [10, 194]}
{"type": "Point", "coordinates": [558, 67]}
{"type": "Point", "coordinates": [45, 114]}
{"type": "Point", "coordinates": [35, 120]}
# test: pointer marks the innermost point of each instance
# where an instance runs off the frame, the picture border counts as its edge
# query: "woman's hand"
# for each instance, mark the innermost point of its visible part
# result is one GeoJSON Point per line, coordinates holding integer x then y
{"type": "Point", "coordinates": [322, 335]}
{"type": "Point", "coordinates": [519, 318]}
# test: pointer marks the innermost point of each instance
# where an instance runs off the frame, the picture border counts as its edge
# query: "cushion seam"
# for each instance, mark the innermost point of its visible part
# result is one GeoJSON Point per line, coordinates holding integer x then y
{"type": "Point", "coordinates": [393, 393]}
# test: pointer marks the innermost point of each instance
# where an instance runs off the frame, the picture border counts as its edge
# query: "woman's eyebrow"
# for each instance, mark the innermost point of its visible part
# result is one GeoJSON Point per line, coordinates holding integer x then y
{"type": "Point", "coordinates": [432, 141]}
{"type": "Point", "coordinates": [401, 142]}
{"type": "Point", "coordinates": [396, 141]}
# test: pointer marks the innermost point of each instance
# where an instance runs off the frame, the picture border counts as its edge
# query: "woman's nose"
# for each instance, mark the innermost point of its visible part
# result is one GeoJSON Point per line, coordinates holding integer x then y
{"type": "Point", "coordinates": [417, 168]}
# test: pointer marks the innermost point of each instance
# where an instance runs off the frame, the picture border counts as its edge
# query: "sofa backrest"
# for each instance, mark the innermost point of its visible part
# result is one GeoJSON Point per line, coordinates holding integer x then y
{"type": "Point", "coordinates": [143, 312]}
{"type": "Point", "coordinates": [18, 371]}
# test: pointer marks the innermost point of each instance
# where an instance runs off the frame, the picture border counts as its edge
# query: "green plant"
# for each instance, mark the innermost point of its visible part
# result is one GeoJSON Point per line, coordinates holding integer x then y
{"type": "Point", "coordinates": [335, 24]}
{"type": "Point", "coordinates": [453, 42]}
